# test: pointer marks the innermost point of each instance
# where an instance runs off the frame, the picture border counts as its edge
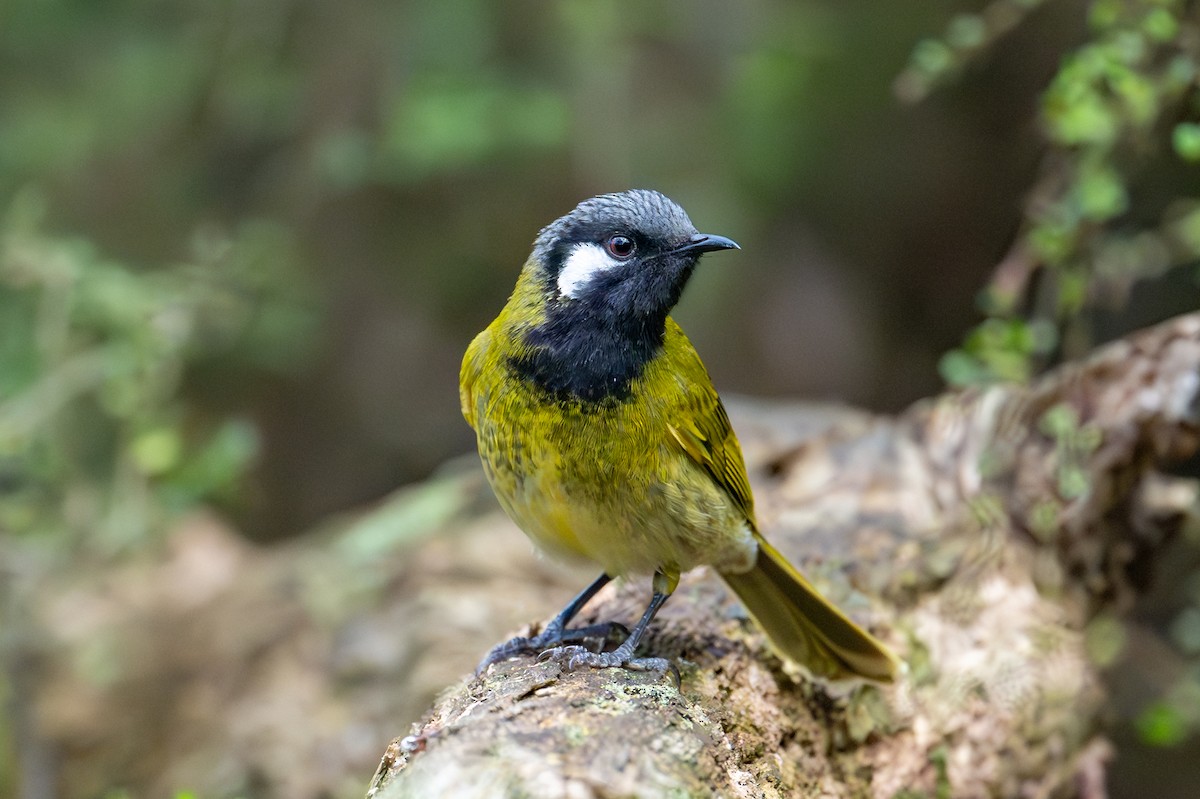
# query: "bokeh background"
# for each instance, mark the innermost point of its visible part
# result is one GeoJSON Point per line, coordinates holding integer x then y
{"type": "Point", "coordinates": [379, 170]}
{"type": "Point", "coordinates": [245, 244]}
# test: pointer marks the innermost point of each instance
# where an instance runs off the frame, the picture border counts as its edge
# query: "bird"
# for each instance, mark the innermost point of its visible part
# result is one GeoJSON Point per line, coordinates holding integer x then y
{"type": "Point", "coordinates": [604, 439]}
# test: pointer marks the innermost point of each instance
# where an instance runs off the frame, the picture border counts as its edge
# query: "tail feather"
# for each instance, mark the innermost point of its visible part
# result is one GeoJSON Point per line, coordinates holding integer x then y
{"type": "Point", "coordinates": [805, 627]}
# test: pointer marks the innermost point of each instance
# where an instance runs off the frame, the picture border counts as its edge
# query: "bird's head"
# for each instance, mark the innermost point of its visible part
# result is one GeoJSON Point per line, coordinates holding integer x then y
{"type": "Point", "coordinates": [625, 255]}
{"type": "Point", "coordinates": [590, 310]}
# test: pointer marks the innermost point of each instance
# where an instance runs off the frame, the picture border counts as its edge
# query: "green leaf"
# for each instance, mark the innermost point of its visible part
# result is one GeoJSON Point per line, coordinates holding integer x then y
{"type": "Point", "coordinates": [932, 57]}
{"type": "Point", "coordinates": [1103, 14]}
{"type": "Point", "coordinates": [966, 31]}
{"type": "Point", "coordinates": [1161, 25]}
{"type": "Point", "coordinates": [157, 450]}
{"type": "Point", "coordinates": [1186, 141]}
{"type": "Point", "coordinates": [218, 462]}
{"type": "Point", "coordinates": [1087, 120]}
{"type": "Point", "coordinates": [1138, 94]}
{"type": "Point", "coordinates": [1100, 193]}
{"type": "Point", "coordinates": [1054, 239]}
{"type": "Point", "coordinates": [1161, 725]}
{"type": "Point", "coordinates": [1060, 421]}
{"type": "Point", "coordinates": [1073, 482]}
{"type": "Point", "coordinates": [1072, 292]}
{"type": "Point", "coordinates": [961, 369]}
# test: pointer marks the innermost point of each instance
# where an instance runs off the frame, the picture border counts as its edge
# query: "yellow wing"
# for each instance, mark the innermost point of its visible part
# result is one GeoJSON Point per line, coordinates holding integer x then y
{"type": "Point", "coordinates": [801, 624]}
{"type": "Point", "coordinates": [701, 426]}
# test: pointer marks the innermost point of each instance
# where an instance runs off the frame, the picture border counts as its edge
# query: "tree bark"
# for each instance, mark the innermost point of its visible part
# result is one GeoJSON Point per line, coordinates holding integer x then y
{"type": "Point", "coordinates": [980, 534]}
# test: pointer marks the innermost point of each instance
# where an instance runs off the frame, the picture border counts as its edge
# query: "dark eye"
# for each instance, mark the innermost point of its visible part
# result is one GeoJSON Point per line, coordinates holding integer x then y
{"type": "Point", "coordinates": [619, 246]}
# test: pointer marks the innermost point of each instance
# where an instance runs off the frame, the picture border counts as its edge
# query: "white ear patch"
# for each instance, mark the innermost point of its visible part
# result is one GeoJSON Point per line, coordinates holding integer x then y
{"type": "Point", "coordinates": [580, 266]}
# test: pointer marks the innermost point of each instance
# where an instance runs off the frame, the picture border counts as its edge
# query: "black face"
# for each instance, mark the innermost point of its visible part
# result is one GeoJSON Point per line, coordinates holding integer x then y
{"type": "Point", "coordinates": [614, 268]}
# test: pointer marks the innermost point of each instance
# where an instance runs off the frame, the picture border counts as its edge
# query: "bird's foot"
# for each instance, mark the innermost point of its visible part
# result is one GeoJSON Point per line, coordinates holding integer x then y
{"type": "Point", "coordinates": [597, 634]}
{"type": "Point", "coordinates": [573, 657]}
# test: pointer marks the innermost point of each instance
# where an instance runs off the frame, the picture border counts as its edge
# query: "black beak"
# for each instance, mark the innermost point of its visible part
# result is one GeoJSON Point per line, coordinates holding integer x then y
{"type": "Point", "coordinates": [707, 242]}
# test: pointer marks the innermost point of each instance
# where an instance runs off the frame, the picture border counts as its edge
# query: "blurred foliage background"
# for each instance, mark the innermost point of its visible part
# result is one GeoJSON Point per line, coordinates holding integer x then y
{"type": "Point", "coordinates": [243, 245]}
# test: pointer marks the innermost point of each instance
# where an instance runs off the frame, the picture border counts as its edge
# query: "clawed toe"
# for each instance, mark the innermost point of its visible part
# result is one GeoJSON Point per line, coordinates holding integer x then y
{"type": "Point", "coordinates": [574, 657]}
{"type": "Point", "coordinates": [569, 657]}
{"type": "Point", "coordinates": [558, 644]}
{"type": "Point", "coordinates": [596, 635]}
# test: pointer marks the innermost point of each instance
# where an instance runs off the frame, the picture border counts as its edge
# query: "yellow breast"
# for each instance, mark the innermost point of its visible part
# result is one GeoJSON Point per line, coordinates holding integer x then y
{"type": "Point", "coordinates": [607, 481]}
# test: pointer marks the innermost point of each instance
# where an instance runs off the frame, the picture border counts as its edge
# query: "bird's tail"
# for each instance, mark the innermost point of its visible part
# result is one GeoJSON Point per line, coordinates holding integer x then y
{"type": "Point", "coordinates": [804, 626]}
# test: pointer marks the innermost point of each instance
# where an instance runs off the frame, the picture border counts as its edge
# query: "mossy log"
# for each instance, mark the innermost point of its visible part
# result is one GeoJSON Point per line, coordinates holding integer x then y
{"type": "Point", "coordinates": [979, 534]}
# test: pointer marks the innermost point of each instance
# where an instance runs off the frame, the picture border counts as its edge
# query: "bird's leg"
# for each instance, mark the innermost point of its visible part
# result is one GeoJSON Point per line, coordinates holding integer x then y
{"type": "Point", "coordinates": [556, 631]}
{"type": "Point", "coordinates": [665, 581]}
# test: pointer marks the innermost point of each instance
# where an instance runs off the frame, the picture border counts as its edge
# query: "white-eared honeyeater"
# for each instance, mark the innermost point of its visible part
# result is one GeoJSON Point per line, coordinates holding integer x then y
{"type": "Point", "coordinates": [604, 439]}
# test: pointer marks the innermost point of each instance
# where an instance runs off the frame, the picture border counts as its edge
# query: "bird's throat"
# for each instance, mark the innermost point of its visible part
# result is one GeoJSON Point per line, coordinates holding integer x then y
{"type": "Point", "coordinates": [575, 355]}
